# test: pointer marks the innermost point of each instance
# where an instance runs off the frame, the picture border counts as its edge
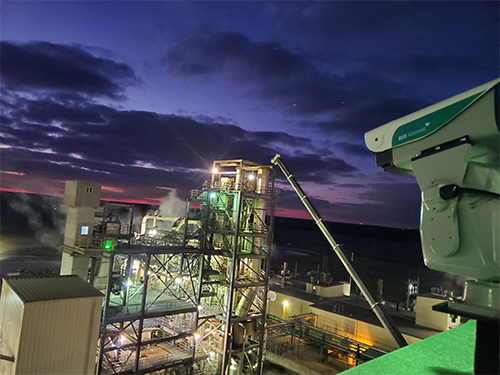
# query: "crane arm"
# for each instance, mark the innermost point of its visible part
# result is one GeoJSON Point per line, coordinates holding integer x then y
{"type": "Point", "coordinates": [374, 305]}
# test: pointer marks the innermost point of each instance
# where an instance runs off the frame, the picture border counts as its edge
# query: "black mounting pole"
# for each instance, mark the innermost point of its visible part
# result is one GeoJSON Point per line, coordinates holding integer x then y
{"type": "Point", "coordinates": [487, 350]}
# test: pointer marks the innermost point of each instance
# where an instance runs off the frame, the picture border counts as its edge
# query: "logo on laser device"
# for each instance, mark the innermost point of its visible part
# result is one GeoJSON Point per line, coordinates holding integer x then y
{"type": "Point", "coordinates": [430, 122]}
{"type": "Point", "coordinates": [414, 133]}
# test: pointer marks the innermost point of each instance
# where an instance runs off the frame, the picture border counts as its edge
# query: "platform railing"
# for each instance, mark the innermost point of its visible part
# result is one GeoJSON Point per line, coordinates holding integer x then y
{"type": "Point", "coordinates": [269, 190]}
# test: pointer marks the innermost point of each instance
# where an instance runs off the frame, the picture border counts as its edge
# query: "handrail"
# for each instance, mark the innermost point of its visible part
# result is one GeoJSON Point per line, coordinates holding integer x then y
{"type": "Point", "coordinates": [269, 190]}
{"type": "Point", "coordinates": [375, 306]}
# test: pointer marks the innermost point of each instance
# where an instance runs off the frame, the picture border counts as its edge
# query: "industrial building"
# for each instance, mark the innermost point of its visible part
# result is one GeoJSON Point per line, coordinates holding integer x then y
{"type": "Point", "coordinates": [183, 295]}
{"type": "Point", "coordinates": [191, 296]}
{"type": "Point", "coordinates": [188, 295]}
{"type": "Point", "coordinates": [49, 325]}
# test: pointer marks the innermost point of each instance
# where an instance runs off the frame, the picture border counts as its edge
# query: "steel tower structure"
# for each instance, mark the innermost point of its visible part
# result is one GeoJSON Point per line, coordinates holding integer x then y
{"type": "Point", "coordinates": [150, 309]}
{"type": "Point", "coordinates": [237, 212]}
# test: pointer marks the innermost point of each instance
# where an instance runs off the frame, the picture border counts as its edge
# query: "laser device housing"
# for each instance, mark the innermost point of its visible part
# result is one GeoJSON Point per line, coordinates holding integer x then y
{"type": "Point", "coordinates": [452, 148]}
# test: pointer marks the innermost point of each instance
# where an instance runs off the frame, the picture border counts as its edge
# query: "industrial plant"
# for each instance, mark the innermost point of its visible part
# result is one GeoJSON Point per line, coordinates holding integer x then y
{"type": "Point", "coordinates": [195, 294]}
{"type": "Point", "coordinates": [186, 294]}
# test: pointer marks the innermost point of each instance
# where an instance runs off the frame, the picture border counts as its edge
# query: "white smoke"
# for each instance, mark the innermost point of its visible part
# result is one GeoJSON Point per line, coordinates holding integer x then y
{"type": "Point", "coordinates": [172, 205]}
{"type": "Point", "coordinates": [45, 218]}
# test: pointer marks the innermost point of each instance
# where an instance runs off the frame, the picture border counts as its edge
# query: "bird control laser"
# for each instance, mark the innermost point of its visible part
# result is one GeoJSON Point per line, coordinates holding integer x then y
{"type": "Point", "coordinates": [452, 149]}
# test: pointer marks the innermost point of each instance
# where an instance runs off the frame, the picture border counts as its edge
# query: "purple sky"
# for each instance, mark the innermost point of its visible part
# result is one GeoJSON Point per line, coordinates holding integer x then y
{"type": "Point", "coordinates": [143, 96]}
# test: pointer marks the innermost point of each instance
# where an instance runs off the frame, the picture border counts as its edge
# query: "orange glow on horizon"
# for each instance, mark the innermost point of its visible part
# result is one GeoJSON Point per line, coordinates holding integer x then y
{"type": "Point", "coordinates": [13, 173]}
{"type": "Point", "coordinates": [113, 189]}
{"type": "Point", "coordinates": [27, 192]}
{"type": "Point", "coordinates": [149, 201]}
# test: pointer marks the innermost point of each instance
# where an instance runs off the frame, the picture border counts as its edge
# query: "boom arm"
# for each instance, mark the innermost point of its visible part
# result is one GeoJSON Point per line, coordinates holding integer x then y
{"type": "Point", "coordinates": [375, 306]}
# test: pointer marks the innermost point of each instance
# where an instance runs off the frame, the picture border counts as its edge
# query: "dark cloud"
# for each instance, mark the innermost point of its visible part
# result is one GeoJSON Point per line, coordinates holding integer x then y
{"type": "Point", "coordinates": [278, 138]}
{"type": "Point", "coordinates": [47, 110]}
{"type": "Point", "coordinates": [448, 46]}
{"type": "Point", "coordinates": [116, 145]}
{"type": "Point", "coordinates": [358, 119]}
{"type": "Point", "coordinates": [228, 51]}
{"type": "Point", "coordinates": [392, 28]}
{"type": "Point", "coordinates": [401, 195]}
{"type": "Point", "coordinates": [390, 205]}
{"type": "Point", "coordinates": [263, 70]}
{"type": "Point", "coordinates": [353, 103]}
{"type": "Point", "coordinates": [354, 149]}
{"type": "Point", "coordinates": [432, 65]}
{"type": "Point", "coordinates": [46, 66]}
{"type": "Point", "coordinates": [5, 120]}
{"type": "Point", "coordinates": [315, 168]}
{"type": "Point", "coordinates": [210, 119]}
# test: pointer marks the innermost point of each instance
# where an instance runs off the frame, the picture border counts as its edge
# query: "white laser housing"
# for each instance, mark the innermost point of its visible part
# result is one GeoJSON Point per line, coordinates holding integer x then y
{"type": "Point", "coordinates": [452, 146]}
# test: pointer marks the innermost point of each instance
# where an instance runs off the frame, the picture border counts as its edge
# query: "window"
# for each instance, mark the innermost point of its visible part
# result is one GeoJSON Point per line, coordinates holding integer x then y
{"type": "Point", "coordinates": [88, 189]}
{"type": "Point", "coordinates": [85, 230]}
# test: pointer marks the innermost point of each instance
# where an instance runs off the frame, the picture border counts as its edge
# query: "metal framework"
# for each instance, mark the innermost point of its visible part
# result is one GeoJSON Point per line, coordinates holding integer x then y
{"type": "Point", "coordinates": [190, 299]}
{"type": "Point", "coordinates": [150, 310]}
{"type": "Point", "coordinates": [107, 231]}
{"type": "Point", "coordinates": [151, 284]}
{"type": "Point", "coordinates": [302, 327]}
{"type": "Point", "coordinates": [237, 212]}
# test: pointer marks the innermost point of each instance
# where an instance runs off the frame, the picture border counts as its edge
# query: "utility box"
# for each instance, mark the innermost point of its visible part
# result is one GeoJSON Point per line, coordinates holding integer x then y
{"type": "Point", "coordinates": [427, 317]}
{"type": "Point", "coordinates": [49, 325]}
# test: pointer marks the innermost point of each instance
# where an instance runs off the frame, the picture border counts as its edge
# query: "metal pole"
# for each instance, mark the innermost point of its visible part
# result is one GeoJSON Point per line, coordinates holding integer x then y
{"type": "Point", "coordinates": [200, 277]}
{"type": "Point", "coordinates": [229, 301]}
{"type": "Point", "coordinates": [267, 265]}
{"type": "Point", "coordinates": [105, 312]}
{"type": "Point", "coordinates": [487, 349]}
{"type": "Point", "coordinates": [143, 309]}
{"type": "Point", "coordinates": [375, 306]}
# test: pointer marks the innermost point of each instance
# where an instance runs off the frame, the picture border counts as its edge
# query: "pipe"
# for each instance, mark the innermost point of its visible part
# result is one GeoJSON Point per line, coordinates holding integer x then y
{"type": "Point", "coordinates": [374, 305]}
{"type": "Point", "coordinates": [155, 218]}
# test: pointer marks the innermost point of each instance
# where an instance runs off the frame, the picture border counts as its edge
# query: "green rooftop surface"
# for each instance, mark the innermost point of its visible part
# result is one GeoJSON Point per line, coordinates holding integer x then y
{"type": "Point", "coordinates": [450, 352]}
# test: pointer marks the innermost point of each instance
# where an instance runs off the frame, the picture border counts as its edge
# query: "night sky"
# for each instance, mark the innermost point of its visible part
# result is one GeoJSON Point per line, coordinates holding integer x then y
{"type": "Point", "coordinates": [143, 96]}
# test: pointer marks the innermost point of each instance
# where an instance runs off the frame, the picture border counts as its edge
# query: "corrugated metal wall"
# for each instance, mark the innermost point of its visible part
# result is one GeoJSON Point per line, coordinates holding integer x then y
{"type": "Point", "coordinates": [11, 316]}
{"type": "Point", "coordinates": [59, 337]}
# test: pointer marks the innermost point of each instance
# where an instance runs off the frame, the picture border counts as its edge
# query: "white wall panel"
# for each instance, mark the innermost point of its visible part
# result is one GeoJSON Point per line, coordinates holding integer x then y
{"type": "Point", "coordinates": [59, 337]}
{"type": "Point", "coordinates": [11, 316]}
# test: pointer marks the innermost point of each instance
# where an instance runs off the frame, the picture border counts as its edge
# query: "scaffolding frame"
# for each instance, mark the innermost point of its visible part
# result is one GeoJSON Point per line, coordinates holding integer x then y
{"type": "Point", "coordinates": [237, 212]}
{"type": "Point", "coordinates": [150, 310]}
{"type": "Point", "coordinates": [193, 299]}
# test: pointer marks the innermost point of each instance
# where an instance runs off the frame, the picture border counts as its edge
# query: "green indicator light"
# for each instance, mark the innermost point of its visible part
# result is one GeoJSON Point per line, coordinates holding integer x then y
{"type": "Point", "coordinates": [108, 245]}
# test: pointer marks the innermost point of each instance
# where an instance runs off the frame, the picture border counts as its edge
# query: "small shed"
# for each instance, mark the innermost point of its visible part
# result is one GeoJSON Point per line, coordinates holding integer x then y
{"type": "Point", "coordinates": [49, 325]}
